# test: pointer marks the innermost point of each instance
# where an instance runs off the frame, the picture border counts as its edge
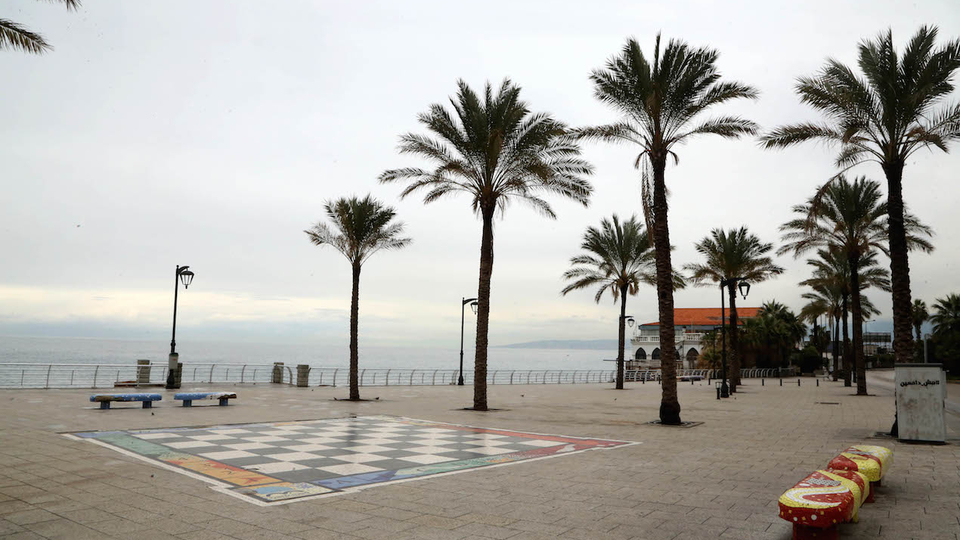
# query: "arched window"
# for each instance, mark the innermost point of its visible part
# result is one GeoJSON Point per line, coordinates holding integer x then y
{"type": "Point", "coordinates": [641, 354]}
{"type": "Point", "coordinates": [692, 354]}
{"type": "Point", "coordinates": [656, 354]}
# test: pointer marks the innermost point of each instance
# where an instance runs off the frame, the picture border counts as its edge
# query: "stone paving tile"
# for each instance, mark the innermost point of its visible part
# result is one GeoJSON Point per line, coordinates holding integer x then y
{"type": "Point", "coordinates": [203, 535]}
{"type": "Point", "coordinates": [25, 535]}
{"type": "Point", "coordinates": [64, 529]}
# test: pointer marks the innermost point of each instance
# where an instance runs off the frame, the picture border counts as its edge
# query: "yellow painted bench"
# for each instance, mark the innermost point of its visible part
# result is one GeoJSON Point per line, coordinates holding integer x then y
{"type": "Point", "coordinates": [821, 501]}
{"type": "Point", "coordinates": [870, 461]}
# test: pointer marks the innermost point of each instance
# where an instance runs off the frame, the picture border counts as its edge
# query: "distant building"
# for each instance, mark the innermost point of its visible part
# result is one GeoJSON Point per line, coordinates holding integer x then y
{"type": "Point", "coordinates": [690, 325]}
{"type": "Point", "coordinates": [876, 343]}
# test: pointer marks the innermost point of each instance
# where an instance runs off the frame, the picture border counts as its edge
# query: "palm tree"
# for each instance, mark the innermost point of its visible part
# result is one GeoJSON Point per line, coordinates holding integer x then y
{"type": "Point", "coordinates": [660, 103]}
{"type": "Point", "coordinates": [918, 316]}
{"type": "Point", "coordinates": [361, 227]}
{"type": "Point", "coordinates": [825, 300]}
{"type": "Point", "coordinates": [774, 326]}
{"type": "Point", "coordinates": [831, 278]}
{"type": "Point", "coordinates": [496, 150]}
{"type": "Point", "coordinates": [850, 218]}
{"type": "Point", "coordinates": [618, 258]}
{"type": "Point", "coordinates": [733, 253]}
{"type": "Point", "coordinates": [946, 318]}
{"type": "Point", "coordinates": [884, 116]}
{"type": "Point", "coordinates": [15, 36]}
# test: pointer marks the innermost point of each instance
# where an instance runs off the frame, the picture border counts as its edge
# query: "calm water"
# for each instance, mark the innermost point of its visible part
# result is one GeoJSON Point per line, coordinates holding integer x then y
{"type": "Point", "coordinates": [34, 350]}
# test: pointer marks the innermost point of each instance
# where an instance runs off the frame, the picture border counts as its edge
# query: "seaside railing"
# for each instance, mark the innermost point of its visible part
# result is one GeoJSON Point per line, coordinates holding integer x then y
{"type": "Point", "coordinates": [28, 375]}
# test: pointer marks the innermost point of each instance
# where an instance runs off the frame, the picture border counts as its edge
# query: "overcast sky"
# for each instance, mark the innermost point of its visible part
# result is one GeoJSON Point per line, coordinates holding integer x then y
{"type": "Point", "coordinates": [211, 133]}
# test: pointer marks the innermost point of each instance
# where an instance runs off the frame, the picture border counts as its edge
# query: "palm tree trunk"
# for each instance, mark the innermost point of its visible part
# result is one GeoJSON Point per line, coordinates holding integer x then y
{"type": "Point", "coordinates": [857, 315]}
{"type": "Point", "coordinates": [669, 403]}
{"type": "Point", "coordinates": [899, 263]}
{"type": "Point", "coordinates": [623, 336]}
{"type": "Point", "coordinates": [836, 347]}
{"type": "Point", "coordinates": [483, 311]}
{"type": "Point", "coordinates": [734, 342]}
{"type": "Point", "coordinates": [354, 330]}
{"type": "Point", "coordinates": [847, 363]}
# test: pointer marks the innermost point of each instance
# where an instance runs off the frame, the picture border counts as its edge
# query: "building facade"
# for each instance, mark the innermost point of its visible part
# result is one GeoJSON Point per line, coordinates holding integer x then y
{"type": "Point", "coordinates": [690, 326]}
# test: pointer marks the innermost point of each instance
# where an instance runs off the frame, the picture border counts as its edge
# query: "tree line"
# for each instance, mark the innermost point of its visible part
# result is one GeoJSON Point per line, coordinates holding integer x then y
{"type": "Point", "coordinates": [493, 147]}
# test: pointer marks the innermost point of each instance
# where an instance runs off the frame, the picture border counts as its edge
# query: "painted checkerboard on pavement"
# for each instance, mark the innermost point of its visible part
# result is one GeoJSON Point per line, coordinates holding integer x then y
{"type": "Point", "coordinates": [286, 461]}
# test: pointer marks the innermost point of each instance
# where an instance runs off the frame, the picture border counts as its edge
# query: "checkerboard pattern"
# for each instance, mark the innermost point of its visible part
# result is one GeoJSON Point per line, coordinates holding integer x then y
{"type": "Point", "coordinates": [285, 461]}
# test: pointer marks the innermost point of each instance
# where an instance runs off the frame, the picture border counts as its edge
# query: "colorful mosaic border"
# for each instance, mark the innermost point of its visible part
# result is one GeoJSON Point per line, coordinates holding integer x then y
{"type": "Point", "coordinates": [263, 489]}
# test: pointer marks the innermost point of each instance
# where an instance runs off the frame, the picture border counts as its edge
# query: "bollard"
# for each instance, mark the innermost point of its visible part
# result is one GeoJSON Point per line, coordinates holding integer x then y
{"type": "Point", "coordinates": [798, 382]}
{"type": "Point", "coordinates": [781, 382]}
{"type": "Point", "coordinates": [818, 382]}
{"type": "Point", "coordinates": [691, 381]}
{"type": "Point", "coordinates": [762, 381]}
{"type": "Point", "coordinates": [143, 371]}
{"type": "Point", "coordinates": [303, 375]}
{"type": "Point", "coordinates": [718, 392]}
{"type": "Point", "coordinates": [277, 375]}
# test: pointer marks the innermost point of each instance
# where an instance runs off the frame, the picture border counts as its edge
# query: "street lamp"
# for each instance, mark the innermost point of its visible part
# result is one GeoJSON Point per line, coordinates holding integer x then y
{"type": "Point", "coordinates": [744, 290]}
{"type": "Point", "coordinates": [473, 307]}
{"type": "Point", "coordinates": [185, 276]}
{"type": "Point", "coordinates": [630, 322]}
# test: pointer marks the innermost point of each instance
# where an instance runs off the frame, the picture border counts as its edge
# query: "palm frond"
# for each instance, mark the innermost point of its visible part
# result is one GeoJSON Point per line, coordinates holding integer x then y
{"type": "Point", "coordinates": [15, 36]}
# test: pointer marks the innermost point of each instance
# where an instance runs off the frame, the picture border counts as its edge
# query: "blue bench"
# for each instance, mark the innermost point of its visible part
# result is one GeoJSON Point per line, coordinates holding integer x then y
{"type": "Point", "coordinates": [189, 397]}
{"type": "Point", "coordinates": [105, 399]}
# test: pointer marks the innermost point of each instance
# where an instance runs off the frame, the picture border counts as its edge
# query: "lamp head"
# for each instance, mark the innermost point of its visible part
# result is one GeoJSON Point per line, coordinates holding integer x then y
{"type": "Point", "coordinates": [631, 321]}
{"type": "Point", "coordinates": [186, 277]}
{"type": "Point", "coordinates": [744, 289]}
{"type": "Point", "coordinates": [473, 307]}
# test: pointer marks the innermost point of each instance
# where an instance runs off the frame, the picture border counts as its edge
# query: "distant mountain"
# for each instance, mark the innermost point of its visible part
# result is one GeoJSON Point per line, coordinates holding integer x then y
{"type": "Point", "coordinates": [591, 344]}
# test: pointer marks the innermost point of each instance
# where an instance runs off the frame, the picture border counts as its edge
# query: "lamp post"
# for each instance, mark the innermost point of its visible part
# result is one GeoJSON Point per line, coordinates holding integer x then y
{"type": "Point", "coordinates": [473, 307]}
{"type": "Point", "coordinates": [185, 276]}
{"type": "Point", "coordinates": [621, 357]}
{"type": "Point", "coordinates": [744, 290]}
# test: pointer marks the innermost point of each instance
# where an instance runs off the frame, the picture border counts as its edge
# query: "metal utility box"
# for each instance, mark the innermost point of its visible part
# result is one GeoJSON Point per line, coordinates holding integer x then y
{"type": "Point", "coordinates": [921, 393]}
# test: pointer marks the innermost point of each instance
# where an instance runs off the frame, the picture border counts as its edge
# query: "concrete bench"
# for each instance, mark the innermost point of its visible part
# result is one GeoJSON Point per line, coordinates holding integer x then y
{"type": "Point", "coordinates": [821, 501]}
{"type": "Point", "coordinates": [870, 461]}
{"type": "Point", "coordinates": [106, 399]}
{"type": "Point", "coordinates": [189, 397]}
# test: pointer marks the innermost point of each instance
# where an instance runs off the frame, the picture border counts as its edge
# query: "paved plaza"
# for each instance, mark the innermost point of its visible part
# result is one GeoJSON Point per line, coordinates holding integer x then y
{"type": "Point", "coordinates": [719, 479]}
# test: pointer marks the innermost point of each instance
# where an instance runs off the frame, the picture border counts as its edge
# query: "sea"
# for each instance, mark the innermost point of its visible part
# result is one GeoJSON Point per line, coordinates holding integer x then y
{"type": "Point", "coordinates": [58, 350]}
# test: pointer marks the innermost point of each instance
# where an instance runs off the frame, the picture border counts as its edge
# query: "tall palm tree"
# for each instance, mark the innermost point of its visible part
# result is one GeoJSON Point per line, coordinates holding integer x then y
{"type": "Point", "coordinates": [660, 104]}
{"type": "Point", "coordinates": [729, 254]}
{"type": "Point", "coordinates": [15, 36]}
{"type": "Point", "coordinates": [946, 317]}
{"type": "Point", "coordinates": [885, 116]}
{"type": "Point", "coordinates": [831, 276]}
{"type": "Point", "coordinates": [618, 258]}
{"type": "Point", "coordinates": [361, 227]}
{"type": "Point", "coordinates": [850, 218]}
{"type": "Point", "coordinates": [494, 149]}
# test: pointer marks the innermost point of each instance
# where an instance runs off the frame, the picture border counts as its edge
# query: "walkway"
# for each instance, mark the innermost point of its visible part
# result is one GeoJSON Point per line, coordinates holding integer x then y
{"type": "Point", "coordinates": [720, 479]}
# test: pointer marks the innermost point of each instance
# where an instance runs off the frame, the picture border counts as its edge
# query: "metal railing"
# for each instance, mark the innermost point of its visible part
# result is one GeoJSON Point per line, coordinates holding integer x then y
{"type": "Point", "coordinates": [24, 375]}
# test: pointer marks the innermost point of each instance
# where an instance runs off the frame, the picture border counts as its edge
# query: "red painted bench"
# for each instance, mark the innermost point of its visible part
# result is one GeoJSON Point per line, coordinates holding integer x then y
{"type": "Point", "coordinates": [870, 461]}
{"type": "Point", "coordinates": [822, 500]}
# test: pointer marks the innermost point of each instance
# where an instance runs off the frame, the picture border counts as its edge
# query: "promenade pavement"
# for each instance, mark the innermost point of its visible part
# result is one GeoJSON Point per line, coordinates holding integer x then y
{"type": "Point", "coordinates": [720, 479]}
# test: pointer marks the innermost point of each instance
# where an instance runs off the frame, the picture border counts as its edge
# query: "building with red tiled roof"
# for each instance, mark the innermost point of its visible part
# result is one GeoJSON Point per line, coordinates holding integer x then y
{"type": "Point", "coordinates": [690, 324]}
{"type": "Point", "coordinates": [705, 316]}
